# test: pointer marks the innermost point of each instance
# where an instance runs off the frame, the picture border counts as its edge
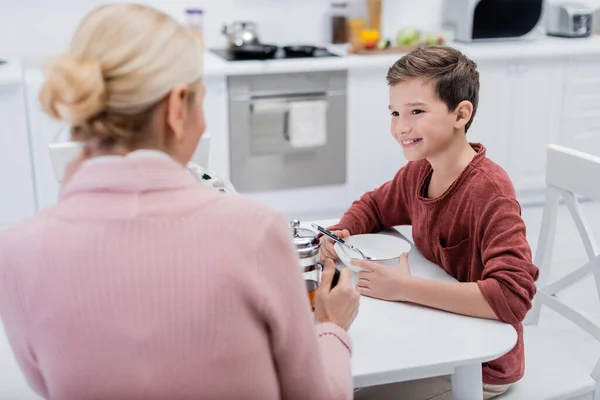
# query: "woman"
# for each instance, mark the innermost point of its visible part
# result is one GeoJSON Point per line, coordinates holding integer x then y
{"type": "Point", "coordinates": [141, 283]}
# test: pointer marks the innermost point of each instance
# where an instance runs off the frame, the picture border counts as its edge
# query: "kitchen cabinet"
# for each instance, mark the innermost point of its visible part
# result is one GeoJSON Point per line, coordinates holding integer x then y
{"type": "Point", "coordinates": [216, 112]}
{"type": "Point", "coordinates": [491, 123]}
{"type": "Point", "coordinates": [519, 115]}
{"type": "Point", "coordinates": [374, 157]}
{"type": "Point", "coordinates": [580, 128]}
{"type": "Point", "coordinates": [43, 130]}
{"type": "Point", "coordinates": [535, 118]}
{"type": "Point", "coordinates": [17, 200]}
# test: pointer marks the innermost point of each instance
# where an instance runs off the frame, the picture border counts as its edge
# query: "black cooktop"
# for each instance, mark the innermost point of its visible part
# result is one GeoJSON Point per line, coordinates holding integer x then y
{"type": "Point", "coordinates": [279, 55]}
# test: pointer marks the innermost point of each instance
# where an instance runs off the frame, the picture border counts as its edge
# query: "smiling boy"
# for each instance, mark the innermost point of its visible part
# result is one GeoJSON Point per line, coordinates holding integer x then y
{"type": "Point", "coordinates": [462, 208]}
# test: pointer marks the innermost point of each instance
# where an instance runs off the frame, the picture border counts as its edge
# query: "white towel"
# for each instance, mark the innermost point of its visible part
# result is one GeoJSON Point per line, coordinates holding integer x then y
{"type": "Point", "coordinates": [308, 123]}
{"type": "Point", "coordinates": [269, 106]}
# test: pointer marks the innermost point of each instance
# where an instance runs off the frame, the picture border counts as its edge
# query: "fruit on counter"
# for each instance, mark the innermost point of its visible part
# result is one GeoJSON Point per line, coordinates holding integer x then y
{"type": "Point", "coordinates": [384, 44]}
{"type": "Point", "coordinates": [407, 36]}
{"type": "Point", "coordinates": [430, 39]}
{"type": "Point", "coordinates": [434, 39]}
{"type": "Point", "coordinates": [369, 38]}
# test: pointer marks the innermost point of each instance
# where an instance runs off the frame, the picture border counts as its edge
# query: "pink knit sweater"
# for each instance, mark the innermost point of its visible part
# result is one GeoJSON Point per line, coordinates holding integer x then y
{"type": "Point", "coordinates": [143, 284]}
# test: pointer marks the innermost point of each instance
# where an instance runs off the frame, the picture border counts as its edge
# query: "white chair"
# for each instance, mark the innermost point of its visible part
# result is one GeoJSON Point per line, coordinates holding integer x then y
{"type": "Point", "coordinates": [552, 372]}
{"type": "Point", "coordinates": [63, 153]}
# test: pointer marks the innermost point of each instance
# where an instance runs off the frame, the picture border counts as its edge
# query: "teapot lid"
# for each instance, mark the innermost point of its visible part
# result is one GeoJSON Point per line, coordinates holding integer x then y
{"type": "Point", "coordinates": [306, 241]}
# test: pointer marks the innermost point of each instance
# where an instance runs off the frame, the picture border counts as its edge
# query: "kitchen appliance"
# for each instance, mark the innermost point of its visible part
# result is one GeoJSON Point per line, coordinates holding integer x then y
{"type": "Point", "coordinates": [339, 22]}
{"type": "Point", "coordinates": [478, 20]}
{"type": "Point", "coordinates": [307, 246]}
{"type": "Point", "coordinates": [266, 124]}
{"type": "Point", "coordinates": [572, 19]}
{"type": "Point", "coordinates": [596, 20]}
{"type": "Point", "coordinates": [271, 52]}
{"type": "Point", "coordinates": [240, 33]}
{"type": "Point", "coordinates": [253, 52]}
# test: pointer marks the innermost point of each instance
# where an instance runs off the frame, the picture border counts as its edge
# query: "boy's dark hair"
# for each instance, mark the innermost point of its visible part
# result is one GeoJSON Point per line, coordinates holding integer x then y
{"type": "Point", "coordinates": [454, 76]}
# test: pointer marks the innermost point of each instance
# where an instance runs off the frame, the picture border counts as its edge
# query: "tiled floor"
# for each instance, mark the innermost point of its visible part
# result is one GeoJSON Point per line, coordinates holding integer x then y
{"type": "Point", "coordinates": [568, 254]}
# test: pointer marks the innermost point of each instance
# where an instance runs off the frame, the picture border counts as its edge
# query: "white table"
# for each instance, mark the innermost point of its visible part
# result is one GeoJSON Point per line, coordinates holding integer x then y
{"type": "Point", "coordinates": [395, 342]}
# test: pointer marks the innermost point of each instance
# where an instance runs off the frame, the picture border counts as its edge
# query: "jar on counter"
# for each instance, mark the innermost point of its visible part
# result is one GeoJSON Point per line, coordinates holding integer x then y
{"type": "Point", "coordinates": [339, 22]}
{"type": "Point", "coordinates": [357, 26]}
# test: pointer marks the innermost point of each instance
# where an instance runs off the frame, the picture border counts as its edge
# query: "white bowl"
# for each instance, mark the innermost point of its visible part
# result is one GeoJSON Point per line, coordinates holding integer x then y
{"type": "Point", "coordinates": [383, 249]}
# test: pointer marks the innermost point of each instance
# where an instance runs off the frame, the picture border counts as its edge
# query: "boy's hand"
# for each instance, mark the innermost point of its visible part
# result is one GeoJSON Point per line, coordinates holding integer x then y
{"type": "Point", "coordinates": [327, 243]}
{"type": "Point", "coordinates": [383, 282]}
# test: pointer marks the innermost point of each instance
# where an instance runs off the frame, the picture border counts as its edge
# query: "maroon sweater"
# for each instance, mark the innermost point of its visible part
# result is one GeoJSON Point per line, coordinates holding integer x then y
{"type": "Point", "coordinates": [474, 231]}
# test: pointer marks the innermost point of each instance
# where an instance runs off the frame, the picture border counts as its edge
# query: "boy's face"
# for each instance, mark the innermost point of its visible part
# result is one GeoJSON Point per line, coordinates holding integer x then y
{"type": "Point", "coordinates": [421, 122]}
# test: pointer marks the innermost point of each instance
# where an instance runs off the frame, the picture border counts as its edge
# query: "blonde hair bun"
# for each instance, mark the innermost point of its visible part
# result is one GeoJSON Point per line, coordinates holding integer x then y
{"type": "Point", "coordinates": [74, 90]}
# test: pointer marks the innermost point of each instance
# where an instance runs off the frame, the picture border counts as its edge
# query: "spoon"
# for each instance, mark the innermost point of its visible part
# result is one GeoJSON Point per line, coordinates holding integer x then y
{"type": "Point", "coordinates": [339, 240]}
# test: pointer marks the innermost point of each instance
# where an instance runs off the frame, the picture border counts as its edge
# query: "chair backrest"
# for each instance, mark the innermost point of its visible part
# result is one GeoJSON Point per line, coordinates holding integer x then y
{"type": "Point", "coordinates": [569, 173]}
{"type": "Point", "coordinates": [63, 153]}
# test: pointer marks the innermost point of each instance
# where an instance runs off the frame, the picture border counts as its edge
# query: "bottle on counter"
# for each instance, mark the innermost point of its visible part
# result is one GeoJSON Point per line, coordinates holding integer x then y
{"type": "Point", "coordinates": [339, 22]}
{"type": "Point", "coordinates": [195, 23]}
{"type": "Point", "coordinates": [374, 7]}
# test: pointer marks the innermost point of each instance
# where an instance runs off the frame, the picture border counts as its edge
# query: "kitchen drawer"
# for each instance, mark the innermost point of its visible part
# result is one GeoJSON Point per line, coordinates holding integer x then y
{"type": "Point", "coordinates": [583, 70]}
{"type": "Point", "coordinates": [268, 84]}
{"type": "Point", "coordinates": [582, 134]}
{"type": "Point", "coordinates": [582, 103]}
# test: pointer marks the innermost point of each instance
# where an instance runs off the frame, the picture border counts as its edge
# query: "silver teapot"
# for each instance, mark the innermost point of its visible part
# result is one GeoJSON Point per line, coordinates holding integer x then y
{"type": "Point", "coordinates": [240, 33]}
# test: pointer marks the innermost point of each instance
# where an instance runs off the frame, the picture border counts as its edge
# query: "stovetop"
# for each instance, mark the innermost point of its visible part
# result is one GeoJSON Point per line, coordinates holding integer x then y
{"type": "Point", "coordinates": [280, 55]}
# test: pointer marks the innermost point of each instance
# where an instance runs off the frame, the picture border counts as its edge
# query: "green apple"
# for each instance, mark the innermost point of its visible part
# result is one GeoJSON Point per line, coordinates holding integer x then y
{"type": "Point", "coordinates": [407, 36]}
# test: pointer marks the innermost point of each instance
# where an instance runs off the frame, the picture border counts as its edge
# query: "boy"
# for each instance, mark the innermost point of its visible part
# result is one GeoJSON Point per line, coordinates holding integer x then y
{"type": "Point", "coordinates": [462, 208]}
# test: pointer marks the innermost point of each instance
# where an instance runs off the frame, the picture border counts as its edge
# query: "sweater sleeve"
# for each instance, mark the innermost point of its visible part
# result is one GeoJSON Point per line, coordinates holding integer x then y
{"type": "Point", "coordinates": [382, 208]}
{"type": "Point", "coordinates": [11, 314]}
{"type": "Point", "coordinates": [311, 361]}
{"type": "Point", "coordinates": [508, 279]}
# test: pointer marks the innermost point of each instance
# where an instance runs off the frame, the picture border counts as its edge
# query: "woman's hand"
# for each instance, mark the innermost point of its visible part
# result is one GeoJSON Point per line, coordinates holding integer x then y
{"type": "Point", "coordinates": [327, 251]}
{"type": "Point", "coordinates": [340, 304]}
{"type": "Point", "coordinates": [383, 282]}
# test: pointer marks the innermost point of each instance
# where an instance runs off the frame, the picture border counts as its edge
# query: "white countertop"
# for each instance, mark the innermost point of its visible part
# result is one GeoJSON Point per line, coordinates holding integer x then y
{"type": "Point", "coordinates": [545, 47]}
{"type": "Point", "coordinates": [10, 73]}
